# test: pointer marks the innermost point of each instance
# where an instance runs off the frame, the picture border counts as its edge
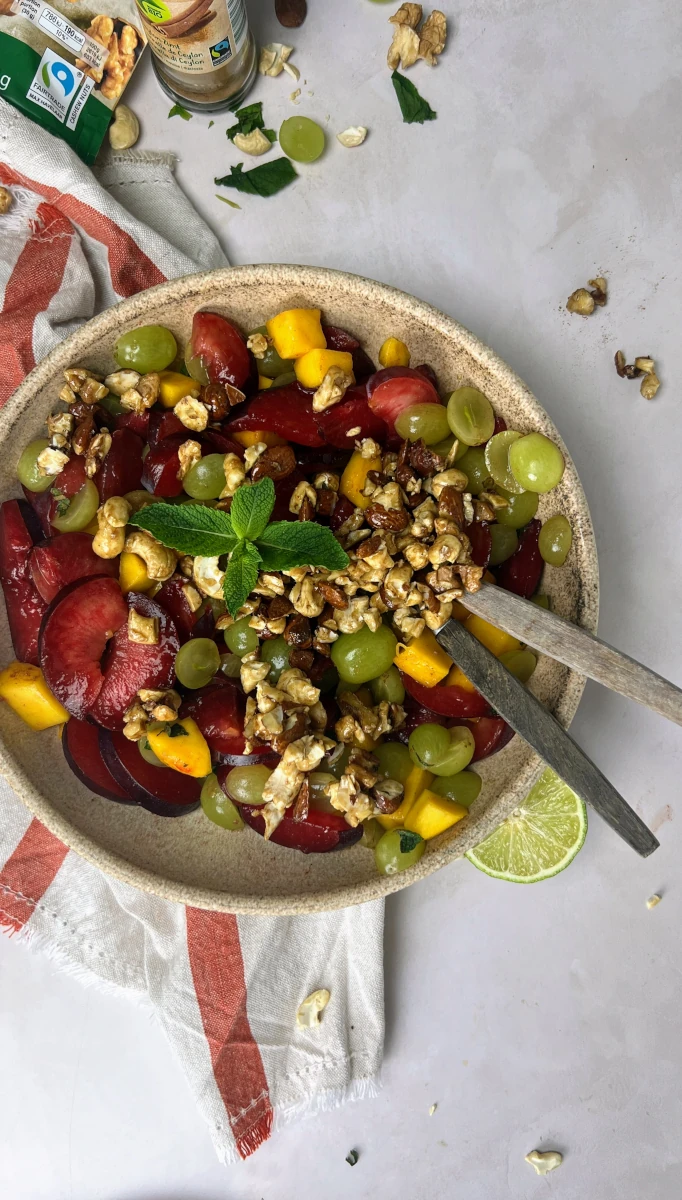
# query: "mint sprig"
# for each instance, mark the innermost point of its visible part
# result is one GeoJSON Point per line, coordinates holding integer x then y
{"type": "Point", "coordinates": [245, 536]}
{"type": "Point", "coordinates": [249, 118]}
{"type": "Point", "coordinates": [265, 180]}
{"type": "Point", "coordinates": [415, 108]}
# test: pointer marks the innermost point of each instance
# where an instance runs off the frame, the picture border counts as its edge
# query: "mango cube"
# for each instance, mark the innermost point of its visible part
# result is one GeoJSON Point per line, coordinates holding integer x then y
{"type": "Point", "coordinates": [417, 780]}
{"type": "Point", "coordinates": [423, 659]}
{"type": "Point", "coordinates": [249, 437]}
{"type": "Point", "coordinates": [132, 573]}
{"type": "Point", "coordinates": [186, 751]}
{"type": "Point", "coordinates": [25, 690]}
{"type": "Point", "coordinates": [457, 678]}
{"type": "Point", "coordinates": [297, 331]}
{"type": "Point", "coordinates": [354, 478]}
{"type": "Point", "coordinates": [312, 367]}
{"type": "Point", "coordinates": [431, 814]}
{"type": "Point", "coordinates": [497, 641]}
{"type": "Point", "coordinates": [394, 353]}
{"type": "Point", "coordinates": [264, 382]}
{"type": "Point", "coordinates": [173, 385]}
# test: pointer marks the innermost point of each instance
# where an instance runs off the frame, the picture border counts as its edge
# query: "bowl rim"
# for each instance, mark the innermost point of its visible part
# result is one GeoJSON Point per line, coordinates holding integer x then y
{"type": "Point", "coordinates": [439, 324]}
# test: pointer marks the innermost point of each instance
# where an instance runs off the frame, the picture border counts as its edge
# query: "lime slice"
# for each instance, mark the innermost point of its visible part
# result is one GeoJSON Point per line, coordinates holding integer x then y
{"type": "Point", "coordinates": [540, 838]}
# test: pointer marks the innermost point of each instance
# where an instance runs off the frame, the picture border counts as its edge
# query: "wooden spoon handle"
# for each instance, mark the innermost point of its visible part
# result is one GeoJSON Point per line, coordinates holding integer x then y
{"type": "Point", "coordinates": [576, 648]}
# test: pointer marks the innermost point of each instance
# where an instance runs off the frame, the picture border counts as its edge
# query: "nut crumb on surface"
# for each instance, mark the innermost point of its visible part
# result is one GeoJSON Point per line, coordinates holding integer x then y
{"type": "Point", "coordinates": [544, 1161]}
{"type": "Point", "coordinates": [144, 630]}
{"type": "Point", "coordinates": [653, 900]}
{"type": "Point", "coordinates": [308, 1011]}
{"type": "Point", "coordinates": [6, 200]}
{"type": "Point", "coordinates": [273, 58]}
{"type": "Point", "coordinates": [353, 136]}
{"type": "Point", "coordinates": [432, 1109]}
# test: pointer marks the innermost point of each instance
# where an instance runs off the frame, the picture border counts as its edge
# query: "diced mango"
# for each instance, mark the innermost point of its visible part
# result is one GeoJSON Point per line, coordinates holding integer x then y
{"type": "Point", "coordinates": [394, 353]}
{"type": "Point", "coordinates": [312, 367]}
{"type": "Point", "coordinates": [173, 385]}
{"type": "Point", "coordinates": [423, 659]}
{"type": "Point", "coordinates": [431, 814]}
{"type": "Point", "coordinates": [25, 690]}
{"type": "Point", "coordinates": [354, 478]}
{"type": "Point", "coordinates": [264, 382]}
{"type": "Point", "coordinates": [297, 331]}
{"type": "Point", "coordinates": [459, 612]}
{"type": "Point", "coordinates": [92, 527]}
{"type": "Point", "coordinates": [251, 436]}
{"type": "Point", "coordinates": [185, 752]}
{"type": "Point", "coordinates": [132, 573]}
{"type": "Point", "coordinates": [457, 678]}
{"type": "Point", "coordinates": [497, 641]}
{"type": "Point", "coordinates": [417, 780]}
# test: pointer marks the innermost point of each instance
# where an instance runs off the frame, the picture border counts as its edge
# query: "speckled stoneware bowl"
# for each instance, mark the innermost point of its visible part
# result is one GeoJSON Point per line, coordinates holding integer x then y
{"type": "Point", "coordinates": [191, 860]}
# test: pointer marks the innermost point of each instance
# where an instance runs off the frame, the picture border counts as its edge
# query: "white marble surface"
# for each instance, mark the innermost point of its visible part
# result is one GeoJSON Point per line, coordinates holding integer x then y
{"type": "Point", "coordinates": [544, 1016]}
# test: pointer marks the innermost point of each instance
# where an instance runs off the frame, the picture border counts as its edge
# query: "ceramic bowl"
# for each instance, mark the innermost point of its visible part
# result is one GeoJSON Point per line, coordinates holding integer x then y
{"type": "Point", "coordinates": [191, 860]}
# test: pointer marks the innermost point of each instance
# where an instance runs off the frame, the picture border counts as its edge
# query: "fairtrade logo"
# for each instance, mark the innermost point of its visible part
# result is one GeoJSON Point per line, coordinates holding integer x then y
{"type": "Point", "coordinates": [62, 74]}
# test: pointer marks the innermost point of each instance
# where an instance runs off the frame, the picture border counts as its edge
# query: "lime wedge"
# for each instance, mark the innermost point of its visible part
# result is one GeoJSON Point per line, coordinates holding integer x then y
{"type": "Point", "coordinates": [540, 838]}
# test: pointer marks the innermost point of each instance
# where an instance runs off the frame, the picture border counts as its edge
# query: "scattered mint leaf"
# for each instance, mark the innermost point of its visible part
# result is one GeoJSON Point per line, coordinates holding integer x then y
{"type": "Point", "coordinates": [248, 119]}
{"type": "Point", "coordinates": [265, 180]}
{"type": "Point", "coordinates": [289, 544]}
{"type": "Point", "coordinates": [408, 841]}
{"type": "Point", "coordinates": [188, 528]}
{"type": "Point", "coordinates": [241, 576]}
{"type": "Point", "coordinates": [251, 507]}
{"type": "Point", "coordinates": [352, 1158]}
{"type": "Point", "coordinates": [63, 501]}
{"type": "Point", "coordinates": [226, 201]}
{"type": "Point", "coordinates": [415, 108]}
{"type": "Point", "coordinates": [211, 123]}
{"type": "Point", "coordinates": [270, 135]}
{"type": "Point", "coordinates": [177, 730]}
{"type": "Point", "coordinates": [178, 111]}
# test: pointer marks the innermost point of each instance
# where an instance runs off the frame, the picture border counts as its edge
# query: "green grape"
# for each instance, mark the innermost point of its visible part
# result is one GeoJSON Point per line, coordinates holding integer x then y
{"type": "Point", "coordinates": [372, 833]}
{"type": "Point", "coordinates": [443, 448]}
{"type": "Point", "coordinates": [27, 467]}
{"type": "Point", "coordinates": [503, 543]}
{"type": "Point", "coordinates": [194, 364]}
{"type": "Point", "coordinates": [427, 421]}
{"type": "Point", "coordinates": [302, 139]}
{"type": "Point", "coordinates": [271, 365]}
{"type": "Point", "coordinates": [361, 656]}
{"type": "Point", "coordinates": [240, 638]}
{"type": "Point", "coordinates": [81, 510]}
{"type": "Point", "coordinates": [536, 463]}
{"type": "Point", "coordinates": [218, 807]}
{"type": "Point", "coordinates": [319, 782]}
{"type": "Point", "coordinates": [542, 601]}
{"type": "Point", "coordinates": [285, 379]}
{"type": "Point", "coordinates": [395, 761]}
{"type": "Point", "coordinates": [388, 686]}
{"type": "Point", "coordinates": [148, 754]}
{"type": "Point", "coordinates": [112, 404]}
{"type": "Point", "coordinates": [230, 665]}
{"type": "Point", "coordinates": [148, 348]}
{"type": "Point", "coordinates": [206, 479]}
{"type": "Point", "coordinates": [463, 787]}
{"type": "Point", "coordinates": [397, 850]}
{"type": "Point", "coordinates": [519, 663]}
{"type": "Point", "coordinates": [459, 754]}
{"type": "Point", "coordinates": [555, 540]}
{"type": "Point", "coordinates": [521, 509]}
{"type": "Point", "coordinates": [428, 744]}
{"type": "Point", "coordinates": [497, 460]}
{"type": "Point", "coordinates": [276, 652]}
{"type": "Point", "coordinates": [140, 498]}
{"type": "Point", "coordinates": [474, 466]}
{"type": "Point", "coordinates": [470, 416]}
{"type": "Point", "coordinates": [197, 662]}
{"type": "Point", "coordinates": [245, 784]}
{"type": "Point", "coordinates": [338, 768]}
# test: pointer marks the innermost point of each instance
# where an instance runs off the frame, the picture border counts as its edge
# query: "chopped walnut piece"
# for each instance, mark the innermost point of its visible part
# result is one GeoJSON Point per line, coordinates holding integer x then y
{"type": "Point", "coordinates": [407, 14]}
{"type": "Point", "coordinates": [599, 287]}
{"type": "Point", "coordinates": [301, 807]}
{"type": "Point", "coordinates": [51, 461]}
{"type": "Point", "coordinates": [191, 412]}
{"type": "Point", "coordinates": [363, 766]}
{"type": "Point", "coordinates": [581, 302]}
{"type": "Point", "coordinates": [471, 577]}
{"type": "Point", "coordinates": [96, 452]}
{"type": "Point", "coordinates": [303, 491]}
{"type": "Point", "coordinates": [6, 200]}
{"type": "Point", "coordinates": [347, 796]}
{"type": "Point", "coordinates": [258, 344]}
{"type": "Point", "coordinates": [387, 795]}
{"type": "Point", "coordinates": [122, 381]}
{"type": "Point", "coordinates": [404, 49]}
{"type": "Point", "coordinates": [453, 477]}
{"type": "Point", "coordinates": [332, 389]}
{"type": "Point", "coordinates": [189, 453]}
{"type": "Point", "coordinates": [144, 630]}
{"type": "Point", "coordinates": [306, 599]}
{"type": "Point", "coordinates": [194, 601]}
{"type": "Point", "coordinates": [60, 425]}
{"type": "Point", "coordinates": [408, 625]}
{"type": "Point", "coordinates": [650, 385]}
{"type": "Point", "coordinates": [432, 37]}
{"type": "Point", "coordinates": [252, 671]}
{"type": "Point", "coordinates": [234, 474]}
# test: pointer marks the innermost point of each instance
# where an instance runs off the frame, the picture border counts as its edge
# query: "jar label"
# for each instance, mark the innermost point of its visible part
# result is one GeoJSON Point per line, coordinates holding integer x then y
{"type": "Point", "coordinates": [194, 36]}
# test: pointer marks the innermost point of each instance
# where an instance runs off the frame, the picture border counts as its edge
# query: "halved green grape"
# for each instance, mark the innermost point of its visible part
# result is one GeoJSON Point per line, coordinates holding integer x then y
{"type": "Point", "coordinates": [27, 467]}
{"type": "Point", "coordinates": [470, 416]}
{"type": "Point", "coordinates": [81, 510]}
{"type": "Point", "coordinates": [388, 686]}
{"type": "Point", "coordinates": [372, 833]}
{"type": "Point", "coordinates": [443, 448]}
{"type": "Point", "coordinates": [338, 768]}
{"type": "Point", "coordinates": [397, 850]}
{"type": "Point", "coordinates": [197, 662]}
{"type": "Point", "coordinates": [427, 421]}
{"type": "Point", "coordinates": [536, 463]}
{"type": "Point", "coordinates": [245, 784]}
{"type": "Point", "coordinates": [428, 744]}
{"type": "Point", "coordinates": [555, 540]}
{"type": "Point", "coordinates": [302, 139]}
{"type": "Point", "coordinates": [319, 782]}
{"type": "Point", "coordinates": [148, 754]}
{"type": "Point", "coordinates": [240, 638]}
{"type": "Point", "coordinates": [276, 652]}
{"type": "Point", "coordinates": [542, 601]}
{"type": "Point", "coordinates": [206, 479]}
{"type": "Point", "coordinates": [284, 380]}
{"type": "Point", "coordinates": [519, 511]}
{"type": "Point", "coordinates": [271, 365]}
{"type": "Point", "coordinates": [195, 366]}
{"type": "Point", "coordinates": [395, 761]}
{"type": "Point", "coordinates": [476, 469]}
{"type": "Point", "coordinates": [218, 807]}
{"type": "Point", "coordinates": [503, 543]}
{"type": "Point", "coordinates": [230, 665]}
{"type": "Point", "coordinates": [148, 348]}
{"type": "Point", "coordinates": [463, 787]}
{"type": "Point", "coordinates": [497, 460]}
{"type": "Point", "coordinates": [361, 656]}
{"type": "Point", "coordinates": [112, 404]}
{"type": "Point", "coordinates": [459, 754]}
{"type": "Point", "coordinates": [521, 663]}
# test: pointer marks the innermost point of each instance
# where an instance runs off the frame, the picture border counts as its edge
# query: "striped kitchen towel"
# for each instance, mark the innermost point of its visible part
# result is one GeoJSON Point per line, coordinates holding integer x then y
{"type": "Point", "coordinates": [225, 988]}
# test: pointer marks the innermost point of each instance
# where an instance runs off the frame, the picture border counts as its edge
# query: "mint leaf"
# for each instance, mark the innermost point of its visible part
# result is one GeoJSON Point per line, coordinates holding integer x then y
{"type": "Point", "coordinates": [408, 841]}
{"type": "Point", "coordinates": [241, 576]}
{"type": "Point", "coordinates": [414, 107]}
{"type": "Point", "coordinates": [178, 111]}
{"type": "Point", "coordinates": [249, 118]}
{"type": "Point", "coordinates": [63, 502]}
{"type": "Point", "coordinates": [252, 504]}
{"type": "Point", "coordinates": [189, 528]}
{"type": "Point", "coordinates": [176, 730]}
{"type": "Point", "coordinates": [289, 544]}
{"type": "Point", "coordinates": [265, 180]}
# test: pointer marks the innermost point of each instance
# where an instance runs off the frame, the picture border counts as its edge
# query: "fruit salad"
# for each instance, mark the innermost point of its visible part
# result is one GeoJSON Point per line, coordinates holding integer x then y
{"type": "Point", "coordinates": [225, 577]}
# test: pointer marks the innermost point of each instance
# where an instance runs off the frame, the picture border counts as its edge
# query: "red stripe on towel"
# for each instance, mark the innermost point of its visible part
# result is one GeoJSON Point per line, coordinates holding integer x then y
{"type": "Point", "coordinates": [28, 873]}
